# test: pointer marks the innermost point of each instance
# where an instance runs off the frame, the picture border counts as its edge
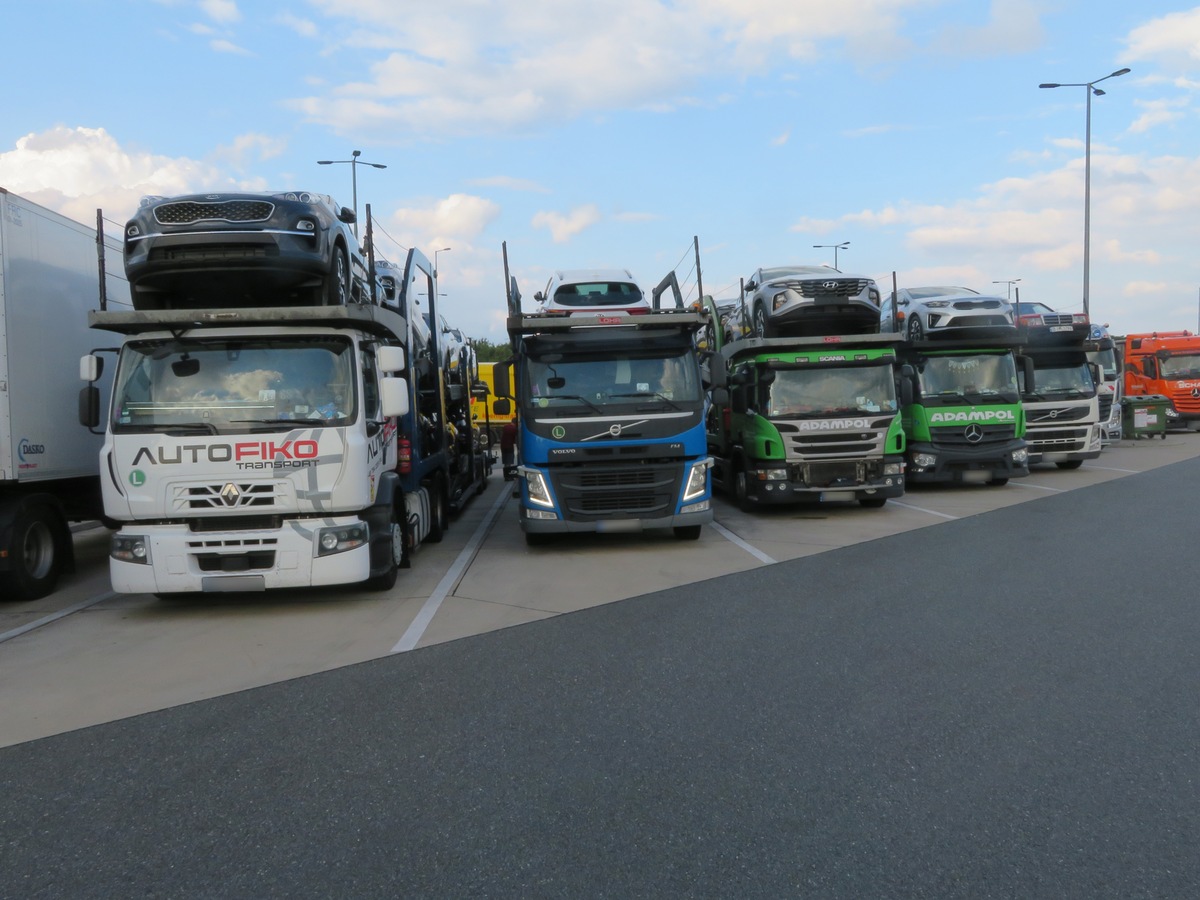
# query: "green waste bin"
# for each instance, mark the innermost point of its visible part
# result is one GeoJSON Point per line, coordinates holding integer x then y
{"type": "Point", "coordinates": [1145, 416]}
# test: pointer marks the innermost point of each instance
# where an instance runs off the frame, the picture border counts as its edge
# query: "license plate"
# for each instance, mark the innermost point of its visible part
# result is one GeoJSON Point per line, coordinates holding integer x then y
{"type": "Point", "coordinates": [1060, 327]}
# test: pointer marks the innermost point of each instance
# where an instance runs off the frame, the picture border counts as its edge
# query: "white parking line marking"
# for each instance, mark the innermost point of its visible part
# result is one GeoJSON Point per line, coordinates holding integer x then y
{"type": "Point", "coordinates": [734, 539]}
{"type": "Point", "coordinates": [1037, 487]}
{"type": "Point", "coordinates": [1115, 469]}
{"type": "Point", "coordinates": [932, 512]}
{"type": "Point", "coordinates": [416, 630]}
{"type": "Point", "coordinates": [55, 616]}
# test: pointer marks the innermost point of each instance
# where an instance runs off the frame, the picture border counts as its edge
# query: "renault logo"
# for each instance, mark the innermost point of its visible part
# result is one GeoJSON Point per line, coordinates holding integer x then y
{"type": "Point", "coordinates": [230, 494]}
{"type": "Point", "coordinates": [974, 434]}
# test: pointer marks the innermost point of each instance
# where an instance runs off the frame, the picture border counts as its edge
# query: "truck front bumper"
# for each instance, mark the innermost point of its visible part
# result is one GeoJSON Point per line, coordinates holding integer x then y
{"type": "Point", "coordinates": [612, 526]}
{"type": "Point", "coordinates": [932, 463]}
{"type": "Point", "coordinates": [179, 560]}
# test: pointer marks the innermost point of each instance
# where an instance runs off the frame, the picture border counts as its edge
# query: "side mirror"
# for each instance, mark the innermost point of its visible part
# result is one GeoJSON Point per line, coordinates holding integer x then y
{"type": "Point", "coordinates": [89, 407]}
{"type": "Point", "coordinates": [91, 367]}
{"type": "Point", "coordinates": [737, 399]}
{"type": "Point", "coordinates": [393, 397]}
{"type": "Point", "coordinates": [347, 215]}
{"type": "Point", "coordinates": [766, 377]}
{"type": "Point", "coordinates": [749, 287]}
{"type": "Point", "coordinates": [501, 407]}
{"type": "Point", "coordinates": [390, 358]}
{"type": "Point", "coordinates": [720, 396]}
{"type": "Point", "coordinates": [500, 379]}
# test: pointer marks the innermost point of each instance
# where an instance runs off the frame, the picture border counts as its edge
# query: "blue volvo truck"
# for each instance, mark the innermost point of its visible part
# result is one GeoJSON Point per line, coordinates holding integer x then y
{"type": "Point", "coordinates": [610, 412]}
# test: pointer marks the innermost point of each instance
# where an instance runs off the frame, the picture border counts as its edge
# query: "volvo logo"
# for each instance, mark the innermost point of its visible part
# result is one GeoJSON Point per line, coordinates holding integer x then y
{"type": "Point", "coordinates": [230, 494]}
{"type": "Point", "coordinates": [974, 434]}
{"type": "Point", "coordinates": [615, 429]}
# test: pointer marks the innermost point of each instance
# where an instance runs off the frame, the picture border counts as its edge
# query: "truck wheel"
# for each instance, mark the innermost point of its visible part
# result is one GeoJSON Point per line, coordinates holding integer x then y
{"type": "Point", "coordinates": [35, 561]}
{"type": "Point", "coordinates": [395, 540]}
{"type": "Point", "coordinates": [1070, 464]}
{"type": "Point", "coordinates": [536, 539]}
{"type": "Point", "coordinates": [437, 512]}
{"type": "Point", "coordinates": [998, 482]}
{"type": "Point", "coordinates": [741, 493]}
{"type": "Point", "coordinates": [872, 502]}
{"type": "Point", "coordinates": [337, 282]}
{"type": "Point", "coordinates": [687, 532]}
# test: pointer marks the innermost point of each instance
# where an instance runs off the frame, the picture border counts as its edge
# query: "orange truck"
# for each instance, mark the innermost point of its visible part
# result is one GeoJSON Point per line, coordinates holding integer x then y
{"type": "Point", "coordinates": [1166, 363]}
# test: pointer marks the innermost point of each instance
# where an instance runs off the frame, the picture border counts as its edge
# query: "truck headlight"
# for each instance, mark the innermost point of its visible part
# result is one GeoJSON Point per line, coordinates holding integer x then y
{"type": "Point", "coordinates": [924, 460]}
{"type": "Point", "coordinates": [535, 485]}
{"type": "Point", "coordinates": [697, 480]}
{"type": "Point", "coordinates": [130, 548]}
{"type": "Point", "coordinates": [1021, 457]}
{"type": "Point", "coordinates": [893, 468]}
{"type": "Point", "coordinates": [340, 538]}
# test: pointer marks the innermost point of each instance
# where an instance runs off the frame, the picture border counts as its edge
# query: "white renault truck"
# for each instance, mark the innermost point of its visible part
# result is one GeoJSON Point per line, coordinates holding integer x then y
{"type": "Point", "coordinates": [49, 472]}
{"type": "Point", "coordinates": [263, 447]}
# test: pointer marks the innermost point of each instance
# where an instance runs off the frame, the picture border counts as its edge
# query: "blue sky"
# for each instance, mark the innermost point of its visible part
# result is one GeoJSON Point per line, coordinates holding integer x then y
{"type": "Point", "coordinates": [609, 133]}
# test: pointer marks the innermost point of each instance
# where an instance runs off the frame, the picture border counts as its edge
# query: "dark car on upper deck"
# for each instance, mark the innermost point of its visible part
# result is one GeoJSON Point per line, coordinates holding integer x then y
{"type": "Point", "coordinates": [242, 249]}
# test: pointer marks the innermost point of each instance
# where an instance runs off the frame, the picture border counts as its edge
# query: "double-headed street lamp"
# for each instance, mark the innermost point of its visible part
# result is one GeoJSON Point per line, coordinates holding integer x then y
{"type": "Point", "coordinates": [354, 162]}
{"type": "Point", "coordinates": [1087, 175]}
{"type": "Point", "coordinates": [1010, 284]}
{"type": "Point", "coordinates": [835, 247]}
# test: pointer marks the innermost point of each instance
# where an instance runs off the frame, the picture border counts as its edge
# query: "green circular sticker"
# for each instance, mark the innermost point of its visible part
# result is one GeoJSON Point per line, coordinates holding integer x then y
{"type": "Point", "coordinates": [137, 477]}
{"type": "Point", "coordinates": [559, 432]}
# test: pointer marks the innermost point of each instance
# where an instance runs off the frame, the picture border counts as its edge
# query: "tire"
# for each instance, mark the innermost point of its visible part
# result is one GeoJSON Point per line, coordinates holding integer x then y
{"type": "Point", "coordinates": [915, 330]}
{"type": "Point", "coordinates": [337, 282]}
{"type": "Point", "coordinates": [1070, 464]}
{"type": "Point", "coordinates": [740, 492]}
{"type": "Point", "coordinates": [35, 553]}
{"type": "Point", "coordinates": [762, 327]}
{"type": "Point", "coordinates": [437, 512]}
{"type": "Point", "coordinates": [872, 502]}
{"type": "Point", "coordinates": [998, 482]}
{"type": "Point", "coordinates": [386, 580]}
{"type": "Point", "coordinates": [687, 532]}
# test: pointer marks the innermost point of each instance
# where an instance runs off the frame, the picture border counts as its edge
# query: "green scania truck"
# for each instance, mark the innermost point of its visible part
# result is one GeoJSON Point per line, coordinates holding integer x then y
{"type": "Point", "coordinates": [809, 418]}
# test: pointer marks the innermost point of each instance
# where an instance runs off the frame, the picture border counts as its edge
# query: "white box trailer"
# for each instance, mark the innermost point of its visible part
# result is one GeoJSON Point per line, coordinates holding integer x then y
{"type": "Point", "coordinates": [50, 276]}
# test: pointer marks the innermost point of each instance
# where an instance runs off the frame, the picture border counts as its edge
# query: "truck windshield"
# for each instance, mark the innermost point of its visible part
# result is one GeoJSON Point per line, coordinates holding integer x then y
{"type": "Point", "coordinates": [1107, 361]}
{"type": "Point", "coordinates": [1181, 365]}
{"type": "Point", "coordinates": [591, 383]}
{"type": "Point", "coordinates": [814, 392]}
{"type": "Point", "coordinates": [969, 378]}
{"type": "Point", "coordinates": [219, 385]}
{"type": "Point", "coordinates": [1061, 381]}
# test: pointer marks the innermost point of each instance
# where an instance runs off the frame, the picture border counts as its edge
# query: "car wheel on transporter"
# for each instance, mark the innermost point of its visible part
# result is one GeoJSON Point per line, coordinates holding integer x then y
{"type": "Point", "coordinates": [687, 532]}
{"type": "Point", "coordinates": [762, 328]}
{"type": "Point", "coordinates": [337, 282]}
{"type": "Point", "coordinates": [1070, 464]}
{"type": "Point", "coordinates": [34, 570]}
{"type": "Point", "coordinates": [395, 540]}
{"type": "Point", "coordinates": [916, 331]}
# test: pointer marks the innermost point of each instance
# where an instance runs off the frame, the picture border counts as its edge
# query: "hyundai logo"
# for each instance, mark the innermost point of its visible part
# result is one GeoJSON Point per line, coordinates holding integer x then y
{"type": "Point", "coordinates": [829, 285]}
{"type": "Point", "coordinates": [974, 434]}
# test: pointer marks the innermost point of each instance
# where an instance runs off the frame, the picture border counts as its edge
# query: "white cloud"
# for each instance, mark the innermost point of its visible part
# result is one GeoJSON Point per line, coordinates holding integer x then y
{"type": "Point", "coordinates": [1169, 42]}
{"type": "Point", "coordinates": [512, 184]}
{"type": "Point", "coordinates": [220, 45]}
{"type": "Point", "coordinates": [1158, 112]}
{"type": "Point", "coordinates": [1013, 26]}
{"type": "Point", "coordinates": [455, 222]}
{"type": "Point", "coordinates": [563, 228]}
{"type": "Point", "coordinates": [223, 11]}
{"type": "Point", "coordinates": [303, 27]}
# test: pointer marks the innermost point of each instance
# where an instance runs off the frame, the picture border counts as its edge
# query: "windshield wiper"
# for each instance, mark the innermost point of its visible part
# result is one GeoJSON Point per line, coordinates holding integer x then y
{"type": "Point", "coordinates": [186, 428]}
{"type": "Point", "coordinates": [662, 397]}
{"type": "Point", "coordinates": [272, 424]}
{"type": "Point", "coordinates": [574, 397]}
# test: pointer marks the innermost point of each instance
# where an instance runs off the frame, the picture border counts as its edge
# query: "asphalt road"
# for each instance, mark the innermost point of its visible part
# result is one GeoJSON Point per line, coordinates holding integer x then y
{"type": "Point", "coordinates": [998, 706]}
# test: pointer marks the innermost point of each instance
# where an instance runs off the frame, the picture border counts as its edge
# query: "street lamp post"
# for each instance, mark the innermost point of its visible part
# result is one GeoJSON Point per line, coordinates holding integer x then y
{"type": "Point", "coordinates": [835, 247]}
{"type": "Point", "coordinates": [1010, 284]}
{"type": "Point", "coordinates": [354, 162]}
{"type": "Point", "coordinates": [1091, 88]}
{"type": "Point", "coordinates": [435, 265]}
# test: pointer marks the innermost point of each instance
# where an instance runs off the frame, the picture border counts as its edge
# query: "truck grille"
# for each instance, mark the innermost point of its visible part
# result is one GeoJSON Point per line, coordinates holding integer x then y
{"type": "Point", "coordinates": [1048, 439]}
{"type": "Point", "coordinates": [189, 212]}
{"type": "Point", "coordinates": [956, 437]}
{"type": "Point", "coordinates": [1057, 414]}
{"type": "Point", "coordinates": [214, 252]}
{"type": "Point", "coordinates": [225, 496]}
{"type": "Point", "coordinates": [810, 445]}
{"type": "Point", "coordinates": [1106, 403]}
{"type": "Point", "coordinates": [616, 491]}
